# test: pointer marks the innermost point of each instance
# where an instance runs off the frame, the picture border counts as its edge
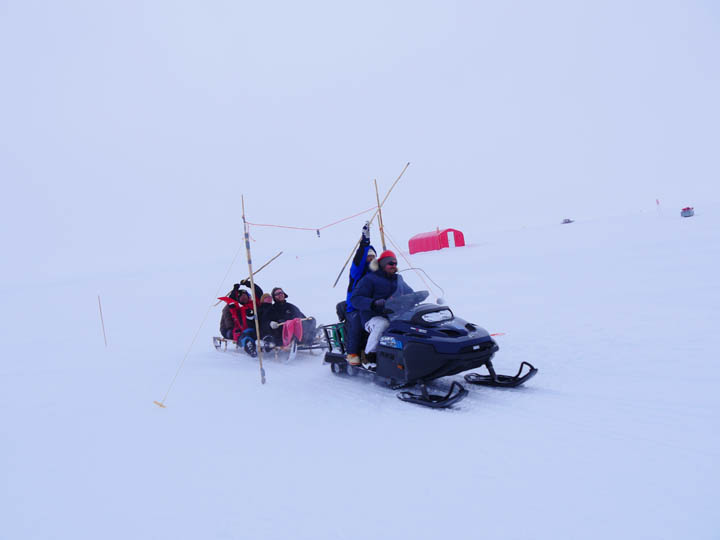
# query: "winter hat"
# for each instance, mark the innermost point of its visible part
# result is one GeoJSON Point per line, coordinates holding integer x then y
{"type": "Point", "coordinates": [275, 289]}
{"type": "Point", "coordinates": [241, 292]}
{"type": "Point", "coordinates": [373, 265]}
{"type": "Point", "coordinates": [385, 257]}
{"type": "Point", "coordinates": [266, 298]}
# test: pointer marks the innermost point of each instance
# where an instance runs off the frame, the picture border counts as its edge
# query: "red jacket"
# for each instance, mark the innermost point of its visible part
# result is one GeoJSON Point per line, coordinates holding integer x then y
{"type": "Point", "coordinates": [237, 317]}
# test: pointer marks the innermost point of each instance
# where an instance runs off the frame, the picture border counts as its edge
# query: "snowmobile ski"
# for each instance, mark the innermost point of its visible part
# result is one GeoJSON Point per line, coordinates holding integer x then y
{"type": "Point", "coordinates": [507, 381]}
{"type": "Point", "coordinates": [435, 401]}
{"type": "Point", "coordinates": [293, 350]}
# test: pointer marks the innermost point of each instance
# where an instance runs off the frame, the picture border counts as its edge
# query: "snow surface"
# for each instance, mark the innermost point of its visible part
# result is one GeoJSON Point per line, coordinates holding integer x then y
{"type": "Point", "coordinates": [129, 132]}
{"type": "Point", "coordinates": [615, 437]}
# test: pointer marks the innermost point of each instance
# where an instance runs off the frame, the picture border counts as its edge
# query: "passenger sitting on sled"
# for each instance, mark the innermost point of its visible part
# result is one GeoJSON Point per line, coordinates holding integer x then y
{"type": "Point", "coordinates": [283, 314]}
{"type": "Point", "coordinates": [238, 318]}
{"type": "Point", "coordinates": [370, 295]}
{"type": "Point", "coordinates": [363, 262]}
{"type": "Point", "coordinates": [264, 310]}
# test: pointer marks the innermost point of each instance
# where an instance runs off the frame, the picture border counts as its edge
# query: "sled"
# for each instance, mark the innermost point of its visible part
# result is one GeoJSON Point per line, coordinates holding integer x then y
{"type": "Point", "coordinates": [221, 343]}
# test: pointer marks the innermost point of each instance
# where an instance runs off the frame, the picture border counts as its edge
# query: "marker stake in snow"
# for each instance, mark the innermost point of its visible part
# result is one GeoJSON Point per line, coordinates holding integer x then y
{"type": "Point", "coordinates": [102, 322]}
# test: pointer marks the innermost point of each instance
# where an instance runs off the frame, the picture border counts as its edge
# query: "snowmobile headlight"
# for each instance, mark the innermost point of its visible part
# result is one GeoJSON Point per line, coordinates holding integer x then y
{"type": "Point", "coordinates": [437, 316]}
{"type": "Point", "coordinates": [389, 341]}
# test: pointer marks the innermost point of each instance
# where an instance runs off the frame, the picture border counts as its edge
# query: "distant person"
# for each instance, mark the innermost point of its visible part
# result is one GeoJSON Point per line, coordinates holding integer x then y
{"type": "Point", "coordinates": [363, 262]}
{"type": "Point", "coordinates": [371, 294]}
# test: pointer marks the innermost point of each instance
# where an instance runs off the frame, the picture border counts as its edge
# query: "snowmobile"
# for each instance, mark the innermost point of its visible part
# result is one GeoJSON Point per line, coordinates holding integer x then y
{"type": "Point", "coordinates": [425, 342]}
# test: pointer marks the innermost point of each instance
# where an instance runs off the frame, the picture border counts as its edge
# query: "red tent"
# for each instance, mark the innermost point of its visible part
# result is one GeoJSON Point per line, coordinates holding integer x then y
{"type": "Point", "coordinates": [432, 241]}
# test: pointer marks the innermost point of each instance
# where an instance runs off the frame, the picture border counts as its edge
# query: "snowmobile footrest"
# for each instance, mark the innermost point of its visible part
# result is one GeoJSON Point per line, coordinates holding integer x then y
{"type": "Point", "coordinates": [436, 401]}
{"type": "Point", "coordinates": [507, 381]}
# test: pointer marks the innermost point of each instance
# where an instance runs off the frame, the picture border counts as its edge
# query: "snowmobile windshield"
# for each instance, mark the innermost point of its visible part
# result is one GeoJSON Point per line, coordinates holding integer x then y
{"type": "Point", "coordinates": [437, 316]}
{"type": "Point", "coordinates": [399, 305]}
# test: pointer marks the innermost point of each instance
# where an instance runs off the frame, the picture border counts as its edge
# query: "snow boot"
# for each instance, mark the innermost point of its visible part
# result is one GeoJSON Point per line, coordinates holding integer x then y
{"type": "Point", "coordinates": [353, 360]}
{"type": "Point", "coordinates": [249, 347]}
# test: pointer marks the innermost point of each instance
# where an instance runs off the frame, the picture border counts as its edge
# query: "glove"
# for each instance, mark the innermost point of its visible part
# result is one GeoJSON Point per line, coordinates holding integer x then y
{"type": "Point", "coordinates": [378, 306]}
{"type": "Point", "coordinates": [366, 231]}
{"type": "Point", "coordinates": [245, 283]}
{"type": "Point", "coordinates": [236, 287]}
{"type": "Point", "coordinates": [274, 325]}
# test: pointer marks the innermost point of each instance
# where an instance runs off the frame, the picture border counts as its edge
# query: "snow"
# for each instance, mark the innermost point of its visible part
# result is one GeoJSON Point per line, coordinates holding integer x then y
{"type": "Point", "coordinates": [129, 134]}
{"type": "Point", "coordinates": [615, 436]}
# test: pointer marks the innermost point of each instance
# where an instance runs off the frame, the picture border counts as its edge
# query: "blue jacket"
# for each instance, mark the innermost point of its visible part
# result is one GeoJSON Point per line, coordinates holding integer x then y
{"type": "Point", "coordinates": [357, 271]}
{"type": "Point", "coordinates": [374, 286]}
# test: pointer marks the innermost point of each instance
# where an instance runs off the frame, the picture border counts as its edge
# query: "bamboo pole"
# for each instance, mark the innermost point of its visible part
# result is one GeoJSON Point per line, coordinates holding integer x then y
{"type": "Point", "coordinates": [264, 265]}
{"type": "Point", "coordinates": [254, 273]}
{"type": "Point", "coordinates": [380, 220]}
{"type": "Point", "coordinates": [284, 323]}
{"type": "Point", "coordinates": [371, 220]}
{"type": "Point", "coordinates": [102, 321]}
{"type": "Point", "coordinates": [258, 348]}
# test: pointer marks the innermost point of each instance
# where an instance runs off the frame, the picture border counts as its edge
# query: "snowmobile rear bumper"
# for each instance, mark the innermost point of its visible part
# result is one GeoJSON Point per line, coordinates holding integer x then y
{"type": "Point", "coordinates": [507, 381]}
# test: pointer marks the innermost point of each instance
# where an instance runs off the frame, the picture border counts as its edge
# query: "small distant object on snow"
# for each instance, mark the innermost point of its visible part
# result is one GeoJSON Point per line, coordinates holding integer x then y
{"type": "Point", "coordinates": [567, 220]}
{"type": "Point", "coordinates": [688, 211]}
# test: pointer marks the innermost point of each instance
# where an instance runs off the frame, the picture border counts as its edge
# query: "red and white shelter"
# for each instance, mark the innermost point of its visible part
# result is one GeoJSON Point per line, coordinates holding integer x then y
{"type": "Point", "coordinates": [435, 240]}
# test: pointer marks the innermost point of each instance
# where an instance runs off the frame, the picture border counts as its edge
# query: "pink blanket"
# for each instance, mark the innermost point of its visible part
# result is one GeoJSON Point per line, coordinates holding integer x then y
{"type": "Point", "coordinates": [292, 328]}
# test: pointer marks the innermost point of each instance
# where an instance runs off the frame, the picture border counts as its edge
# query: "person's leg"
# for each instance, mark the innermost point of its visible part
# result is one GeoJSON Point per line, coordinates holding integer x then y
{"type": "Point", "coordinates": [354, 328]}
{"type": "Point", "coordinates": [247, 340]}
{"type": "Point", "coordinates": [375, 326]}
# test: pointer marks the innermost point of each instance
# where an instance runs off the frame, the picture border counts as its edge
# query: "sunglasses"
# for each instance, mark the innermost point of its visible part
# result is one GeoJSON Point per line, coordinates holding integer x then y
{"type": "Point", "coordinates": [391, 264]}
{"type": "Point", "coordinates": [279, 293]}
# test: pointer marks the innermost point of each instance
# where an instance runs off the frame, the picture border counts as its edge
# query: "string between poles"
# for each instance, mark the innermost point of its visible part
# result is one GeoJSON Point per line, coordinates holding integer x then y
{"type": "Point", "coordinates": [311, 228]}
{"type": "Point", "coordinates": [161, 403]}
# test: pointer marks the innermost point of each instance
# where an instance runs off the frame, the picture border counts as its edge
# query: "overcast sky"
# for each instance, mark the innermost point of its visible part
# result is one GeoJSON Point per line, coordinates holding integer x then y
{"type": "Point", "coordinates": [128, 130]}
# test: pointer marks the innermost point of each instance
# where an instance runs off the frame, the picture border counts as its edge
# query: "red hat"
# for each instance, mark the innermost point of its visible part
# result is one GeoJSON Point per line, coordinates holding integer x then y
{"type": "Point", "coordinates": [386, 253]}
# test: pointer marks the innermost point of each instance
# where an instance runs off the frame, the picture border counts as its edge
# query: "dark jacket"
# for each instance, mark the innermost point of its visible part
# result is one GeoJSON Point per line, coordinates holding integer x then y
{"type": "Point", "coordinates": [265, 314]}
{"type": "Point", "coordinates": [358, 270]}
{"type": "Point", "coordinates": [281, 312]}
{"type": "Point", "coordinates": [374, 286]}
{"type": "Point", "coordinates": [284, 311]}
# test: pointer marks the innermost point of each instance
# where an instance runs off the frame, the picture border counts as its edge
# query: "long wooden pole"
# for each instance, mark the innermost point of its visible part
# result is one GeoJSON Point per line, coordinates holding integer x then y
{"type": "Point", "coordinates": [258, 347]}
{"type": "Point", "coordinates": [102, 321]}
{"type": "Point", "coordinates": [371, 220]}
{"type": "Point", "coordinates": [255, 273]}
{"type": "Point", "coordinates": [380, 220]}
{"type": "Point", "coordinates": [264, 265]}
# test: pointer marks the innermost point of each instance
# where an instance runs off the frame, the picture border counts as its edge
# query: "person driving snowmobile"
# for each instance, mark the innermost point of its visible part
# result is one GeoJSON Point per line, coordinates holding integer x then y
{"type": "Point", "coordinates": [370, 295]}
